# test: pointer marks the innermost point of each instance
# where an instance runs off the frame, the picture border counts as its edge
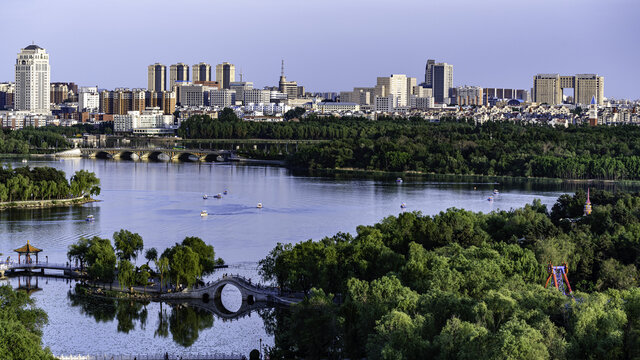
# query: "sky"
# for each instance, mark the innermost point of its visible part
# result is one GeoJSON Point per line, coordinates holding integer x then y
{"type": "Point", "coordinates": [330, 45]}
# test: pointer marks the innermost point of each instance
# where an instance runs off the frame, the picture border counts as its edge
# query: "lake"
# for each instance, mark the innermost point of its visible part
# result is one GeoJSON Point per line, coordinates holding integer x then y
{"type": "Point", "coordinates": [162, 202]}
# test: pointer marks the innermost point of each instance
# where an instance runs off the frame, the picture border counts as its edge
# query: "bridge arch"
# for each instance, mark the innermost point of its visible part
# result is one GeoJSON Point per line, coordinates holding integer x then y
{"type": "Point", "coordinates": [103, 155]}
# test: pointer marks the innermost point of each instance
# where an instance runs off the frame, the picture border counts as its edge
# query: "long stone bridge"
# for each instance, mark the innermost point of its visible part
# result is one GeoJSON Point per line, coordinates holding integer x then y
{"type": "Point", "coordinates": [254, 297]}
{"type": "Point", "coordinates": [157, 153]}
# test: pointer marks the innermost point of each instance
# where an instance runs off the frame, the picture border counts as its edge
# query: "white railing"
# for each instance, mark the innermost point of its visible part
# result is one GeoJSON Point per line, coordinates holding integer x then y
{"type": "Point", "coordinates": [187, 356]}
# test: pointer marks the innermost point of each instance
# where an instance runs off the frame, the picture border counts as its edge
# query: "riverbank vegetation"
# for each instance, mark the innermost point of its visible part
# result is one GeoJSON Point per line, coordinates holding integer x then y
{"type": "Point", "coordinates": [467, 285]}
{"type": "Point", "coordinates": [29, 140]}
{"type": "Point", "coordinates": [179, 266]}
{"type": "Point", "coordinates": [45, 183]}
{"type": "Point", "coordinates": [21, 325]}
{"type": "Point", "coordinates": [446, 147]}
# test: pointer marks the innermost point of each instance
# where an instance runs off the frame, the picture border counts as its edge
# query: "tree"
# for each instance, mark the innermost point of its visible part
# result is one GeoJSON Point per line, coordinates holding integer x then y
{"type": "Point", "coordinates": [101, 260]}
{"type": "Point", "coordinates": [151, 255]}
{"type": "Point", "coordinates": [162, 266]}
{"type": "Point", "coordinates": [184, 266]}
{"type": "Point", "coordinates": [206, 254]}
{"type": "Point", "coordinates": [128, 244]}
{"type": "Point", "coordinates": [21, 327]}
{"type": "Point", "coordinates": [126, 275]}
{"type": "Point", "coordinates": [84, 183]}
{"type": "Point", "coordinates": [79, 251]}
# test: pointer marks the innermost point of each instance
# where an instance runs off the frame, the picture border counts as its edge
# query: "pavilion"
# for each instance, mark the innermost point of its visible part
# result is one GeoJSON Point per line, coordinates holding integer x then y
{"type": "Point", "coordinates": [26, 250]}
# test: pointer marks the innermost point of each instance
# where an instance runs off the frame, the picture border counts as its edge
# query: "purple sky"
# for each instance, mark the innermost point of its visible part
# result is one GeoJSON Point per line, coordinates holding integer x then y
{"type": "Point", "coordinates": [331, 45]}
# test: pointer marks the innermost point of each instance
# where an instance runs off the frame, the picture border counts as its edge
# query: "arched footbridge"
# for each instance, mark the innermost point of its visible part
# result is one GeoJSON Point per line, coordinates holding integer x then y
{"type": "Point", "coordinates": [254, 297]}
{"type": "Point", "coordinates": [157, 153]}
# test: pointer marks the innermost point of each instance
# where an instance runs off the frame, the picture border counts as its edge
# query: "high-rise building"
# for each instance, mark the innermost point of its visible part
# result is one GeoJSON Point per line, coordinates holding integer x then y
{"type": "Point", "coordinates": [157, 77]}
{"type": "Point", "coordinates": [398, 85]}
{"type": "Point", "coordinates": [225, 74]}
{"type": "Point", "coordinates": [427, 73]}
{"type": "Point", "coordinates": [441, 82]}
{"type": "Point", "coordinates": [548, 88]}
{"type": "Point", "coordinates": [201, 72]}
{"type": "Point", "coordinates": [59, 93]}
{"type": "Point", "coordinates": [88, 99]}
{"type": "Point", "coordinates": [178, 72]}
{"type": "Point", "coordinates": [192, 95]}
{"type": "Point", "coordinates": [32, 80]}
{"type": "Point", "coordinates": [7, 93]}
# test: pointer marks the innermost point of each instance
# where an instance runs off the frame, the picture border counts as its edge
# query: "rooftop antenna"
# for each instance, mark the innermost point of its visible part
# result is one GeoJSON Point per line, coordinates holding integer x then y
{"type": "Point", "coordinates": [240, 74]}
{"type": "Point", "coordinates": [282, 68]}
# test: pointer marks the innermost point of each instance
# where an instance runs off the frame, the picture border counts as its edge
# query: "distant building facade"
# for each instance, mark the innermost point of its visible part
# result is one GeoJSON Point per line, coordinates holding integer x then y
{"type": "Point", "coordinates": [178, 72]}
{"type": "Point", "coordinates": [225, 74]}
{"type": "Point", "coordinates": [157, 77]}
{"type": "Point", "coordinates": [33, 80]}
{"type": "Point", "coordinates": [548, 88]}
{"type": "Point", "coordinates": [201, 72]}
{"type": "Point", "coordinates": [88, 99]}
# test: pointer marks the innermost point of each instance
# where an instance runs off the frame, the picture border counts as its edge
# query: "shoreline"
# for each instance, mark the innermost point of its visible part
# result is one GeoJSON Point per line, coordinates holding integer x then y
{"type": "Point", "coordinates": [42, 204]}
{"type": "Point", "coordinates": [356, 172]}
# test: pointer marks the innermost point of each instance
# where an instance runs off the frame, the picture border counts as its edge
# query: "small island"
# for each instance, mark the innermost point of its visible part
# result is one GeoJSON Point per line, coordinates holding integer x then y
{"type": "Point", "coordinates": [40, 187]}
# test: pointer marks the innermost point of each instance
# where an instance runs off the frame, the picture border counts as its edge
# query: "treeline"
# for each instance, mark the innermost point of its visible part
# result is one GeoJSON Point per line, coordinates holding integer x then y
{"type": "Point", "coordinates": [21, 325]}
{"type": "Point", "coordinates": [23, 141]}
{"type": "Point", "coordinates": [45, 183]}
{"type": "Point", "coordinates": [447, 147]}
{"type": "Point", "coordinates": [181, 265]}
{"type": "Point", "coordinates": [463, 285]}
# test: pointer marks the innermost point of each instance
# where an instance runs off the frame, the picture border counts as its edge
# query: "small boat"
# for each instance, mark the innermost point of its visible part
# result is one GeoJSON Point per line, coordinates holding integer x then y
{"type": "Point", "coordinates": [204, 213]}
{"type": "Point", "coordinates": [399, 180]}
{"type": "Point", "coordinates": [218, 196]}
{"type": "Point", "coordinates": [24, 160]}
{"type": "Point", "coordinates": [205, 196]}
{"type": "Point", "coordinates": [225, 192]}
{"type": "Point", "coordinates": [403, 206]}
{"type": "Point", "coordinates": [89, 218]}
{"type": "Point", "coordinates": [496, 192]}
{"type": "Point", "coordinates": [490, 199]}
{"type": "Point", "coordinates": [259, 206]}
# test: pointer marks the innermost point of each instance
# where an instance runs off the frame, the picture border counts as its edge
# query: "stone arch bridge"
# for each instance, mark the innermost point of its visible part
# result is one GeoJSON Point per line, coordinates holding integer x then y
{"type": "Point", "coordinates": [157, 153]}
{"type": "Point", "coordinates": [254, 297]}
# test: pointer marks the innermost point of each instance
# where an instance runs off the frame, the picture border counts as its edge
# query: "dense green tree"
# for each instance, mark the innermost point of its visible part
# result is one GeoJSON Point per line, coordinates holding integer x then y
{"type": "Point", "coordinates": [21, 326]}
{"type": "Point", "coordinates": [126, 274]}
{"type": "Point", "coordinates": [128, 244]}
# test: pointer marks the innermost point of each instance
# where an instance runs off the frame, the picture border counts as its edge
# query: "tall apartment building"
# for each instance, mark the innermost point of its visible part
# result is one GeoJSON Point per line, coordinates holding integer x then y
{"type": "Point", "coordinates": [201, 72]}
{"type": "Point", "coordinates": [164, 100]}
{"type": "Point", "coordinates": [441, 82]}
{"type": "Point", "coordinates": [32, 80]}
{"type": "Point", "coordinates": [178, 72]}
{"type": "Point", "coordinates": [428, 76]}
{"type": "Point", "coordinates": [88, 99]}
{"type": "Point", "coordinates": [548, 88]}
{"type": "Point", "coordinates": [121, 101]}
{"type": "Point", "coordinates": [7, 93]}
{"type": "Point", "coordinates": [157, 77]}
{"type": "Point", "coordinates": [398, 85]}
{"type": "Point", "coordinates": [225, 74]}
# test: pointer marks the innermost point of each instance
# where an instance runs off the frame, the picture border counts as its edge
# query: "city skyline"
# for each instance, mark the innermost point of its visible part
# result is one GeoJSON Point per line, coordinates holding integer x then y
{"type": "Point", "coordinates": [519, 41]}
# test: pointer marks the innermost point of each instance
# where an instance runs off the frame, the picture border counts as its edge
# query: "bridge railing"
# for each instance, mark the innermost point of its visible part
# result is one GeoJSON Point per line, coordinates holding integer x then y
{"type": "Point", "coordinates": [51, 265]}
{"type": "Point", "coordinates": [186, 356]}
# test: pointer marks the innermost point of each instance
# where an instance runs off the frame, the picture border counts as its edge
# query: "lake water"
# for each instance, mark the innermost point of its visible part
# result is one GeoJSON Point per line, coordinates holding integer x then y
{"type": "Point", "coordinates": [162, 202]}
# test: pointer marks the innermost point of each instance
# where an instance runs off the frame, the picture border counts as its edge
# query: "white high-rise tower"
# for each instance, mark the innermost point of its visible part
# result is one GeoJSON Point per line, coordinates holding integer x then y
{"type": "Point", "coordinates": [33, 75]}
